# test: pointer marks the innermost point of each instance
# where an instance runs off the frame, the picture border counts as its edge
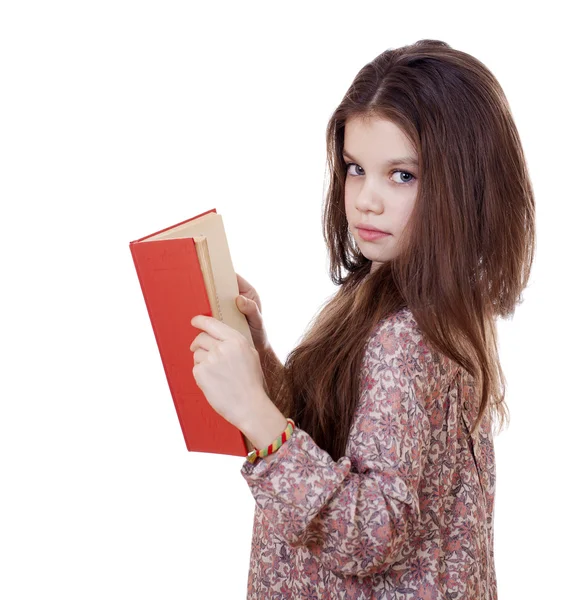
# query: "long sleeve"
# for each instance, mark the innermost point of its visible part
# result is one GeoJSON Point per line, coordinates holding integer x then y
{"type": "Point", "coordinates": [356, 523]}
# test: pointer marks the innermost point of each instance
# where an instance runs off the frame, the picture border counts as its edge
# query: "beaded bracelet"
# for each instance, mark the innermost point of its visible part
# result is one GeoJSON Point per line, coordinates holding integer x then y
{"type": "Point", "coordinates": [271, 449]}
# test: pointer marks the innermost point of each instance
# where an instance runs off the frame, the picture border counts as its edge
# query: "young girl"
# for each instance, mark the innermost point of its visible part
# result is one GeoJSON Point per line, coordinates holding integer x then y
{"type": "Point", "coordinates": [384, 488]}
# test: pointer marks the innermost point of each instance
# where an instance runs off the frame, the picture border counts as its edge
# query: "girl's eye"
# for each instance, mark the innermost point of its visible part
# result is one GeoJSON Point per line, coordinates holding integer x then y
{"type": "Point", "coordinates": [352, 165]}
{"type": "Point", "coordinates": [401, 182]}
{"type": "Point", "coordinates": [410, 180]}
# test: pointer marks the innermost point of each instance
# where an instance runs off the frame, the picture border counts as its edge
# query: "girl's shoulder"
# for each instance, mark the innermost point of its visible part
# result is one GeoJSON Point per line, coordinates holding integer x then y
{"type": "Point", "coordinates": [398, 342]}
{"type": "Point", "coordinates": [395, 324]}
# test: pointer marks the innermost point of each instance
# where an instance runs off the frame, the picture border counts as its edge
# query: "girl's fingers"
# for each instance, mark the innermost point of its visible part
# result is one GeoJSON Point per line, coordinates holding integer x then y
{"type": "Point", "coordinates": [199, 355]}
{"type": "Point", "coordinates": [202, 340]}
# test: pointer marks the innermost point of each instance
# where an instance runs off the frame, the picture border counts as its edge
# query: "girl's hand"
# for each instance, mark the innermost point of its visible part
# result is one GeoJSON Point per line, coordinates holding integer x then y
{"type": "Point", "coordinates": [227, 369]}
{"type": "Point", "coordinates": [248, 302]}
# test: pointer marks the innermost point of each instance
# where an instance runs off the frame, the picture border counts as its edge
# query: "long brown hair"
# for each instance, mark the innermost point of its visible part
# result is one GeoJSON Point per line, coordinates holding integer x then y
{"type": "Point", "coordinates": [464, 256]}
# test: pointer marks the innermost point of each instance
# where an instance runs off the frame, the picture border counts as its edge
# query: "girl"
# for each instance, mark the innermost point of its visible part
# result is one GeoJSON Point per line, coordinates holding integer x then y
{"type": "Point", "coordinates": [382, 485]}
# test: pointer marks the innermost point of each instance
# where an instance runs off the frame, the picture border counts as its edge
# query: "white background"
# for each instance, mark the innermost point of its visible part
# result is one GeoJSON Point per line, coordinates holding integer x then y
{"type": "Point", "coordinates": [118, 119]}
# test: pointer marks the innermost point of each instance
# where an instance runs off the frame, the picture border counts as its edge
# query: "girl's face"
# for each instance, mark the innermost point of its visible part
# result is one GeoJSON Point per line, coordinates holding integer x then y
{"type": "Point", "coordinates": [381, 184]}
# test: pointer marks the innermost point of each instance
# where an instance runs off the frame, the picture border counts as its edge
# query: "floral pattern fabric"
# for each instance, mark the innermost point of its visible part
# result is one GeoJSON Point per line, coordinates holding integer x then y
{"type": "Point", "coordinates": [407, 513]}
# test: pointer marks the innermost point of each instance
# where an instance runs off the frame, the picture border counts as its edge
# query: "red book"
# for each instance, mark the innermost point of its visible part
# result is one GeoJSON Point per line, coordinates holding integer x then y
{"type": "Point", "coordinates": [186, 270]}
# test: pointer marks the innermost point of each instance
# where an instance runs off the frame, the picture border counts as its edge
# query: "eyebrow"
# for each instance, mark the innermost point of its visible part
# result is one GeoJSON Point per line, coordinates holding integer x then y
{"type": "Point", "coordinates": [404, 160]}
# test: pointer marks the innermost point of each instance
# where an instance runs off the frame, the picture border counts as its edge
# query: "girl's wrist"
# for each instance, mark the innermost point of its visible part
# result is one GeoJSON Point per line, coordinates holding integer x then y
{"type": "Point", "coordinates": [267, 453]}
{"type": "Point", "coordinates": [265, 424]}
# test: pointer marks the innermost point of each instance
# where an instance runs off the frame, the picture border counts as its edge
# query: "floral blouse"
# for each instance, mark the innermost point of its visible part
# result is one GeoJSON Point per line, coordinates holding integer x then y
{"type": "Point", "coordinates": [407, 513]}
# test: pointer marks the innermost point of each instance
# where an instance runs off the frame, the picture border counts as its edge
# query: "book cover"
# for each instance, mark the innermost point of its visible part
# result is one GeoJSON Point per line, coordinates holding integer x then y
{"type": "Point", "coordinates": [186, 270]}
